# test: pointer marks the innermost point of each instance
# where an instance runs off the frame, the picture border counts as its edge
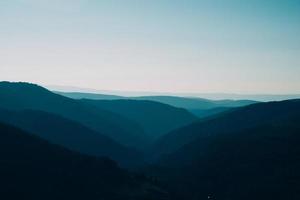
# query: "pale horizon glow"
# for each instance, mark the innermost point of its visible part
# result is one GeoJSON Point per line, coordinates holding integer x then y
{"type": "Point", "coordinates": [192, 46]}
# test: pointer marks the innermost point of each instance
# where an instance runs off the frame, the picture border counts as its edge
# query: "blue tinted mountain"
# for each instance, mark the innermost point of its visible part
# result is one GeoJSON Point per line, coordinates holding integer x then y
{"type": "Point", "coordinates": [257, 161]}
{"type": "Point", "coordinates": [94, 96]}
{"type": "Point", "coordinates": [155, 118]}
{"type": "Point", "coordinates": [196, 103]}
{"type": "Point", "coordinates": [232, 121]}
{"type": "Point", "coordinates": [198, 106]}
{"type": "Point", "coordinates": [70, 134]}
{"type": "Point", "coordinates": [19, 96]}
{"type": "Point", "coordinates": [204, 113]}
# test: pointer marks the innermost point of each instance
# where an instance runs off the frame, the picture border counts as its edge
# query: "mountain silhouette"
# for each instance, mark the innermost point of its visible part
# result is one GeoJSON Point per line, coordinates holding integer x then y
{"type": "Point", "coordinates": [19, 96]}
{"type": "Point", "coordinates": [155, 118]}
{"type": "Point", "coordinates": [235, 120]}
{"type": "Point", "coordinates": [94, 96]}
{"type": "Point", "coordinates": [196, 103]}
{"type": "Point", "coordinates": [31, 168]}
{"type": "Point", "coordinates": [56, 147]}
{"type": "Point", "coordinates": [198, 106]}
{"type": "Point", "coordinates": [253, 156]}
{"type": "Point", "coordinates": [70, 134]}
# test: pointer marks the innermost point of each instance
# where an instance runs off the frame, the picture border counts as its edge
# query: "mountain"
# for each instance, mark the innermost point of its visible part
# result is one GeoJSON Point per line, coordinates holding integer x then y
{"type": "Point", "coordinates": [254, 97]}
{"type": "Point", "coordinates": [18, 96]}
{"type": "Point", "coordinates": [257, 157]}
{"type": "Point", "coordinates": [70, 134]}
{"type": "Point", "coordinates": [235, 120]}
{"type": "Point", "coordinates": [198, 106]}
{"type": "Point", "coordinates": [155, 118]}
{"type": "Point", "coordinates": [196, 103]}
{"type": "Point", "coordinates": [31, 168]}
{"type": "Point", "coordinates": [212, 96]}
{"type": "Point", "coordinates": [181, 102]}
{"type": "Point", "coordinates": [203, 113]}
{"type": "Point", "coordinates": [95, 96]}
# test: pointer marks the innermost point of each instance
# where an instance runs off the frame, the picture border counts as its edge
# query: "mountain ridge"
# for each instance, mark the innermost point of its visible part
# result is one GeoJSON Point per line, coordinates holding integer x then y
{"type": "Point", "coordinates": [18, 96]}
{"type": "Point", "coordinates": [155, 118]}
{"type": "Point", "coordinates": [69, 134]}
{"type": "Point", "coordinates": [236, 119]}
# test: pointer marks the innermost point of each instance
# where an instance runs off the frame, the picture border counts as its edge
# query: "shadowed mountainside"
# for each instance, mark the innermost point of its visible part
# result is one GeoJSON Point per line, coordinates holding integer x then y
{"type": "Point", "coordinates": [19, 96]}
{"type": "Point", "coordinates": [70, 134]}
{"type": "Point", "coordinates": [155, 118]}
{"type": "Point", "coordinates": [31, 168]}
{"type": "Point", "coordinates": [232, 153]}
{"type": "Point", "coordinates": [203, 113]}
{"type": "Point", "coordinates": [253, 156]}
{"type": "Point", "coordinates": [235, 120]}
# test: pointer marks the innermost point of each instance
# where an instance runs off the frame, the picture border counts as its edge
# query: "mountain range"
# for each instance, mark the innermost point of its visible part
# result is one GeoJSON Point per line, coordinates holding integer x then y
{"type": "Point", "coordinates": [262, 97]}
{"type": "Point", "coordinates": [250, 153]}
{"type": "Point", "coordinates": [236, 120]}
{"type": "Point", "coordinates": [156, 119]}
{"type": "Point", "coordinates": [93, 146]}
{"type": "Point", "coordinates": [18, 96]}
{"type": "Point", "coordinates": [198, 106]}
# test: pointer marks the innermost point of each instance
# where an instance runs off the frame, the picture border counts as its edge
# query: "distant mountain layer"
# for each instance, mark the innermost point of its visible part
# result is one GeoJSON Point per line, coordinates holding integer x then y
{"type": "Point", "coordinates": [31, 168]}
{"type": "Point", "coordinates": [182, 102]}
{"type": "Point", "coordinates": [197, 103]}
{"type": "Point", "coordinates": [155, 118]}
{"type": "Point", "coordinates": [69, 134]}
{"type": "Point", "coordinates": [254, 97]}
{"type": "Point", "coordinates": [19, 96]}
{"type": "Point", "coordinates": [198, 106]}
{"type": "Point", "coordinates": [213, 96]}
{"type": "Point", "coordinates": [94, 96]}
{"type": "Point", "coordinates": [250, 153]}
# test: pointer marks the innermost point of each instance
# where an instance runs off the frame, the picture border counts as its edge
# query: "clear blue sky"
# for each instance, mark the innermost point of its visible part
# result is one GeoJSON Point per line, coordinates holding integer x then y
{"type": "Point", "coordinates": [234, 46]}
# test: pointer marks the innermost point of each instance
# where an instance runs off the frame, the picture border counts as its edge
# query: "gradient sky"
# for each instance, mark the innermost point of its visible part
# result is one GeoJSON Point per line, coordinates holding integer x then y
{"type": "Point", "coordinates": [234, 46]}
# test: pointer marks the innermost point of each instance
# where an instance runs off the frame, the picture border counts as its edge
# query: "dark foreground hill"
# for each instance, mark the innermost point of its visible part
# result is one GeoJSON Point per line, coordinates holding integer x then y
{"type": "Point", "coordinates": [259, 162]}
{"type": "Point", "coordinates": [70, 134]}
{"type": "Point", "coordinates": [31, 168]}
{"type": "Point", "coordinates": [155, 118]}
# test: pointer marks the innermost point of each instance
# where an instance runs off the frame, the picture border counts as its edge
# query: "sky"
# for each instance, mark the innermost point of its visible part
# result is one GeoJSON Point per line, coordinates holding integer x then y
{"type": "Point", "coordinates": [190, 46]}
